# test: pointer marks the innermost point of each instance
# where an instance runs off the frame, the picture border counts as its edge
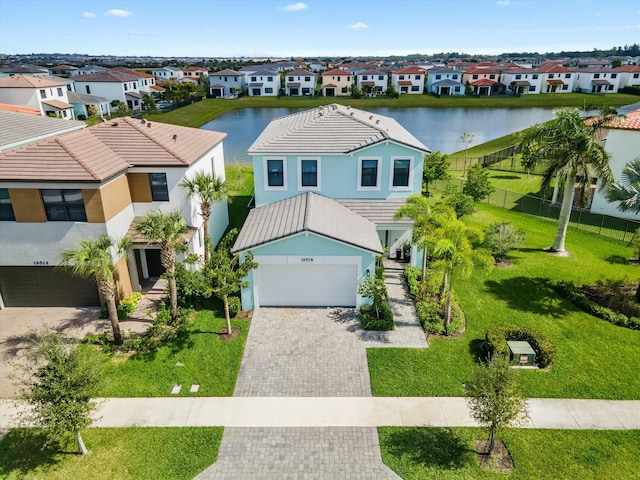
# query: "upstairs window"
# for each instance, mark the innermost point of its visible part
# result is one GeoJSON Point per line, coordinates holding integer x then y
{"type": "Point", "coordinates": [369, 174]}
{"type": "Point", "coordinates": [159, 188]}
{"type": "Point", "coordinates": [567, 75]}
{"type": "Point", "coordinates": [64, 205]}
{"type": "Point", "coordinates": [475, 77]}
{"type": "Point", "coordinates": [534, 76]}
{"type": "Point", "coordinates": [309, 173]}
{"type": "Point", "coordinates": [43, 93]}
{"type": "Point", "coordinates": [596, 75]}
{"type": "Point", "coordinates": [6, 209]}
{"type": "Point", "coordinates": [275, 173]}
{"type": "Point", "coordinates": [518, 76]}
{"type": "Point", "coordinates": [269, 79]}
{"type": "Point", "coordinates": [88, 89]}
{"type": "Point", "coordinates": [60, 94]}
{"type": "Point", "coordinates": [401, 173]}
{"type": "Point", "coordinates": [307, 79]}
{"type": "Point", "coordinates": [380, 77]}
{"type": "Point", "coordinates": [438, 76]}
{"type": "Point", "coordinates": [364, 77]}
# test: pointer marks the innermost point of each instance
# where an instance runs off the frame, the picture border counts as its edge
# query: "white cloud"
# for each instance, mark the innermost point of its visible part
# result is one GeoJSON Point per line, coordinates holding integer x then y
{"type": "Point", "coordinates": [632, 26]}
{"type": "Point", "coordinates": [88, 15]}
{"type": "Point", "coordinates": [504, 3]}
{"type": "Point", "coordinates": [118, 13]}
{"type": "Point", "coordinates": [358, 26]}
{"type": "Point", "coordinates": [295, 7]}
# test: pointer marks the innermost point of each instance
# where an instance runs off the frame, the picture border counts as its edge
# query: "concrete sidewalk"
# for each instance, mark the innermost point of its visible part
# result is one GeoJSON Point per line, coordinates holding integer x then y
{"type": "Point", "coordinates": [569, 414]}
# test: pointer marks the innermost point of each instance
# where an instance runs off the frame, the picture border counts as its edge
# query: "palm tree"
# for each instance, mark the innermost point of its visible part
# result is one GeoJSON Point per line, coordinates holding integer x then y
{"type": "Point", "coordinates": [426, 221]}
{"type": "Point", "coordinates": [627, 190]}
{"type": "Point", "coordinates": [568, 147]}
{"type": "Point", "coordinates": [95, 258]}
{"type": "Point", "coordinates": [208, 190]}
{"type": "Point", "coordinates": [168, 230]}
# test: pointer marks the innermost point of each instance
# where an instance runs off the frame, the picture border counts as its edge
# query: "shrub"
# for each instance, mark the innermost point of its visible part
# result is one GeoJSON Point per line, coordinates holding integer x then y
{"type": "Point", "coordinates": [461, 203]}
{"type": "Point", "coordinates": [578, 298]}
{"type": "Point", "coordinates": [431, 316]}
{"type": "Point", "coordinates": [498, 335]}
{"type": "Point", "coordinates": [372, 321]}
{"type": "Point", "coordinates": [128, 305]}
{"type": "Point", "coordinates": [501, 238]}
{"type": "Point", "coordinates": [235, 305]}
{"type": "Point", "coordinates": [412, 276]}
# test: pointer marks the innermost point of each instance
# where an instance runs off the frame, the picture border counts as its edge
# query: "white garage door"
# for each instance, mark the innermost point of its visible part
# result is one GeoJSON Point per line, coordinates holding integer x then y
{"type": "Point", "coordinates": [307, 285]}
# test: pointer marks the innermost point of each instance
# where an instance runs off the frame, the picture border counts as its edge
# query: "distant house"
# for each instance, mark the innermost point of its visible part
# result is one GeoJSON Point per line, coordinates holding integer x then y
{"type": "Point", "coordinates": [372, 81]}
{"type": "Point", "coordinates": [50, 97]}
{"type": "Point", "coordinates": [262, 81]}
{"type": "Point", "coordinates": [629, 76]}
{"type": "Point", "coordinates": [555, 78]}
{"type": "Point", "coordinates": [521, 81]}
{"type": "Point", "coordinates": [113, 86]}
{"type": "Point", "coordinates": [82, 103]}
{"type": "Point", "coordinates": [336, 82]}
{"type": "Point", "coordinates": [622, 144]}
{"type": "Point", "coordinates": [409, 80]}
{"type": "Point", "coordinates": [63, 70]}
{"type": "Point", "coordinates": [168, 73]}
{"type": "Point", "coordinates": [445, 81]}
{"type": "Point", "coordinates": [27, 71]}
{"type": "Point", "coordinates": [226, 82]}
{"type": "Point", "coordinates": [88, 70]}
{"type": "Point", "coordinates": [23, 126]}
{"type": "Point", "coordinates": [146, 82]}
{"type": "Point", "coordinates": [300, 82]}
{"type": "Point", "coordinates": [317, 66]}
{"type": "Point", "coordinates": [483, 80]}
{"type": "Point", "coordinates": [195, 72]}
{"type": "Point", "coordinates": [596, 80]}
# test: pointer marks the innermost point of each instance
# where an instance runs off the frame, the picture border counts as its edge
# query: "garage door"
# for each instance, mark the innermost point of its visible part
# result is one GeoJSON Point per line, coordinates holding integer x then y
{"type": "Point", "coordinates": [307, 285]}
{"type": "Point", "coordinates": [45, 287]}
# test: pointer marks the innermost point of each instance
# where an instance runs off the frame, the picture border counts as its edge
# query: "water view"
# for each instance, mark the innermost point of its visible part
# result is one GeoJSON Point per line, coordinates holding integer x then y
{"type": "Point", "coordinates": [437, 128]}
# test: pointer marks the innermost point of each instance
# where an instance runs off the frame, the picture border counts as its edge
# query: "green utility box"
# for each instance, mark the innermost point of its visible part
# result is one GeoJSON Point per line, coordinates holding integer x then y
{"type": "Point", "coordinates": [522, 355]}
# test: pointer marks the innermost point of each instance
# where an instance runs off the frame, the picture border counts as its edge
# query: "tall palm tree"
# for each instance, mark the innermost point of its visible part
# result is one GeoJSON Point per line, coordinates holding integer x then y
{"type": "Point", "coordinates": [167, 230]}
{"type": "Point", "coordinates": [208, 190]}
{"type": "Point", "coordinates": [627, 189]}
{"type": "Point", "coordinates": [96, 258]}
{"type": "Point", "coordinates": [568, 147]}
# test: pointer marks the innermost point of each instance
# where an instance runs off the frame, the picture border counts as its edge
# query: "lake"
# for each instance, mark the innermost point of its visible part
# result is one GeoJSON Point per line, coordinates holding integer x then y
{"type": "Point", "coordinates": [437, 128]}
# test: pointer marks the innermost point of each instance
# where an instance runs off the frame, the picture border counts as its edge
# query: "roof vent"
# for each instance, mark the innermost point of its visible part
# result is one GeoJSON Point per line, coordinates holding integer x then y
{"type": "Point", "coordinates": [149, 125]}
{"type": "Point", "coordinates": [114, 124]}
{"type": "Point", "coordinates": [370, 117]}
{"type": "Point", "coordinates": [175, 137]}
{"type": "Point", "coordinates": [143, 121]}
{"type": "Point", "coordinates": [377, 122]}
{"type": "Point", "coordinates": [351, 114]}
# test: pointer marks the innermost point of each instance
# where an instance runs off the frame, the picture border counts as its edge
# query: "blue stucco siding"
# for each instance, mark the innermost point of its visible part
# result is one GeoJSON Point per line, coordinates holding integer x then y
{"type": "Point", "coordinates": [338, 174]}
{"type": "Point", "coordinates": [304, 245]}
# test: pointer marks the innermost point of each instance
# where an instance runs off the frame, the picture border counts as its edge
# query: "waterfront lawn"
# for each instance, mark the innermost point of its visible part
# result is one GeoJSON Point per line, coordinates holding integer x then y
{"type": "Point", "coordinates": [239, 178]}
{"type": "Point", "coordinates": [592, 359]}
{"type": "Point", "coordinates": [449, 453]}
{"type": "Point", "coordinates": [123, 453]}
{"type": "Point", "coordinates": [199, 113]}
{"type": "Point", "coordinates": [206, 360]}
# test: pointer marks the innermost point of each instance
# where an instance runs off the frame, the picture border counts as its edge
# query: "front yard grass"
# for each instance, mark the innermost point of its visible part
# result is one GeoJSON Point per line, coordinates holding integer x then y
{"type": "Point", "coordinates": [122, 453]}
{"type": "Point", "coordinates": [205, 360]}
{"type": "Point", "coordinates": [593, 356]}
{"type": "Point", "coordinates": [448, 453]}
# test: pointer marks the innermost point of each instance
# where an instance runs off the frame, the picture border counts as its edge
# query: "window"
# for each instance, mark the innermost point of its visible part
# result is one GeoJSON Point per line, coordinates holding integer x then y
{"type": "Point", "coordinates": [636, 75]}
{"type": "Point", "coordinates": [64, 113]}
{"type": "Point", "coordinates": [417, 77]}
{"type": "Point", "coordinates": [380, 77]}
{"type": "Point", "coordinates": [348, 79]}
{"type": "Point", "coordinates": [614, 75]}
{"type": "Point", "coordinates": [454, 77]}
{"type": "Point", "coordinates": [309, 173]}
{"type": "Point", "coordinates": [534, 76]}
{"type": "Point", "coordinates": [307, 79]}
{"type": "Point", "coordinates": [438, 77]}
{"type": "Point", "coordinates": [550, 75]}
{"type": "Point", "coordinates": [275, 173]}
{"type": "Point", "coordinates": [253, 79]}
{"type": "Point", "coordinates": [60, 91]}
{"type": "Point", "coordinates": [306, 91]}
{"type": "Point", "coordinates": [565, 87]}
{"type": "Point", "coordinates": [126, 87]}
{"type": "Point", "coordinates": [291, 79]}
{"type": "Point", "coordinates": [401, 77]}
{"type": "Point", "coordinates": [364, 77]}
{"type": "Point", "coordinates": [518, 76]}
{"type": "Point", "coordinates": [159, 189]}
{"type": "Point", "coordinates": [268, 90]}
{"type": "Point", "coordinates": [369, 174]}
{"type": "Point", "coordinates": [567, 75]}
{"type": "Point", "coordinates": [456, 89]}
{"type": "Point", "coordinates": [401, 173]}
{"type": "Point", "coordinates": [344, 89]}
{"type": "Point", "coordinates": [6, 209]}
{"type": "Point", "coordinates": [269, 79]}
{"type": "Point", "coordinates": [492, 77]}
{"type": "Point", "coordinates": [609, 87]}
{"type": "Point", "coordinates": [474, 77]}
{"type": "Point", "coordinates": [596, 75]}
{"type": "Point", "coordinates": [43, 93]}
{"type": "Point", "coordinates": [64, 205]}
{"type": "Point", "coordinates": [532, 88]}
{"type": "Point", "coordinates": [415, 88]}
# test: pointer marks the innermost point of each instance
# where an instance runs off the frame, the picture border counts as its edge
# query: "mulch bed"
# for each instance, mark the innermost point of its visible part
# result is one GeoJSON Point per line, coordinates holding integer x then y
{"type": "Point", "coordinates": [499, 461]}
{"type": "Point", "coordinates": [618, 297]}
{"type": "Point", "coordinates": [504, 264]}
{"type": "Point", "coordinates": [223, 335]}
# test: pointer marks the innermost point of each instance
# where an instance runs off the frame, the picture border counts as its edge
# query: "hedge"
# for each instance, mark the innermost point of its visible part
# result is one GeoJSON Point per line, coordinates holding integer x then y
{"type": "Point", "coordinates": [412, 276]}
{"type": "Point", "coordinates": [371, 322]}
{"type": "Point", "coordinates": [498, 335]}
{"type": "Point", "coordinates": [569, 291]}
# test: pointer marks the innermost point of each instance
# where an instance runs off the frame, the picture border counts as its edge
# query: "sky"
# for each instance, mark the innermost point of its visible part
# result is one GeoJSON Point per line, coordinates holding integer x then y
{"type": "Point", "coordinates": [314, 28]}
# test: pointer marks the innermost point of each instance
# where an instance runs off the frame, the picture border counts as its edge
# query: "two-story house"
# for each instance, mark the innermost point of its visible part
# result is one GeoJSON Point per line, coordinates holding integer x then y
{"type": "Point", "coordinates": [299, 82]}
{"type": "Point", "coordinates": [95, 181]}
{"type": "Point", "coordinates": [226, 83]}
{"type": "Point", "coordinates": [596, 80]}
{"type": "Point", "coordinates": [521, 81]}
{"type": "Point", "coordinates": [111, 85]}
{"type": "Point", "coordinates": [168, 73]}
{"type": "Point", "coordinates": [409, 80]}
{"type": "Point", "coordinates": [195, 72]}
{"type": "Point", "coordinates": [87, 70]}
{"type": "Point", "coordinates": [483, 80]}
{"type": "Point", "coordinates": [445, 81]}
{"type": "Point", "coordinates": [629, 76]}
{"type": "Point", "coordinates": [262, 81]}
{"type": "Point", "coordinates": [372, 81]}
{"type": "Point", "coordinates": [49, 96]}
{"type": "Point", "coordinates": [336, 82]}
{"type": "Point", "coordinates": [146, 82]}
{"type": "Point", "coordinates": [555, 78]}
{"type": "Point", "coordinates": [327, 184]}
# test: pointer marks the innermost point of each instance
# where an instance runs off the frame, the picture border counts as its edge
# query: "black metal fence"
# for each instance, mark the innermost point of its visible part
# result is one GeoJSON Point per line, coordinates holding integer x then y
{"type": "Point", "coordinates": [605, 225]}
{"type": "Point", "coordinates": [507, 159]}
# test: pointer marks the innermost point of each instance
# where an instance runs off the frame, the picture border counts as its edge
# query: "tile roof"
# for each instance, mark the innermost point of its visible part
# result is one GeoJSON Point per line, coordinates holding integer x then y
{"type": "Point", "coordinates": [300, 72]}
{"type": "Point", "coordinates": [628, 68]}
{"type": "Point", "coordinates": [483, 82]}
{"type": "Point", "coordinates": [19, 109]}
{"type": "Point", "coordinates": [101, 151]}
{"type": "Point", "coordinates": [75, 97]}
{"type": "Point", "coordinates": [140, 238]}
{"type": "Point", "coordinates": [227, 72]}
{"type": "Point", "coordinates": [377, 211]}
{"type": "Point", "coordinates": [331, 129]}
{"type": "Point", "coordinates": [308, 212]}
{"type": "Point", "coordinates": [22, 81]}
{"type": "Point", "coordinates": [130, 71]}
{"type": "Point", "coordinates": [57, 104]}
{"type": "Point", "coordinates": [20, 129]}
{"type": "Point", "coordinates": [554, 69]}
{"type": "Point", "coordinates": [555, 81]}
{"type": "Point", "coordinates": [337, 72]}
{"type": "Point", "coordinates": [410, 70]}
{"type": "Point", "coordinates": [109, 76]}
{"type": "Point", "coordinates": [629, 122]}
{"type": "Point", "coordinates": [404, 82]}
{"type": "Point", "coordinates": [447, 82]}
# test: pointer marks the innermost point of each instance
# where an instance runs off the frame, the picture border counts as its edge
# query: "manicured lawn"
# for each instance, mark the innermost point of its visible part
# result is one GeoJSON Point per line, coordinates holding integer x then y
{"type": "Point", "coordinates": [197, 114]}
{"type": "Point", "coordinates": [122, 453]}
{"type": "Point", "coordinates": [592, 359]}
{"type": "Point", "coordinates": [239, 180]}
{"type": "Point", "coordinates": [207, 361]}
{"type": "Point", "coordinates": [448, 453]}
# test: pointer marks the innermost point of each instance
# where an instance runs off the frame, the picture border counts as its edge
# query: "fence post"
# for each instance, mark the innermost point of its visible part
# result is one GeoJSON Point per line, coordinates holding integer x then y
{"type": "Point", "coordinates": [601, 222]}
{"type": "Point", "coordinates": [504, 203]}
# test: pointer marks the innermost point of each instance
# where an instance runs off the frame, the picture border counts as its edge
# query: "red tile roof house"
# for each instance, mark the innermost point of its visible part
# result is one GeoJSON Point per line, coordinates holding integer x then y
{"type": "Point", "coordinates": [195, 72]}
{"type": "Point", "coordinates": [409, 80]}
{"type": "Point", "coordinates": [555, 78]}
{"type": "Point", "coordinates": [336, 83]}
{"type": "Point", "coordinates": [146, 82]}
{"type": "Point", "coordinates": [483, 81]}
{"type": "Point", "coordinates": [95, 181]}
{"type": "Point", "coordinates": [629, 76]}
{"type": "Point", "coordinates": [111, 85]}
{"type": "Point", "coordinates": [48, 96]}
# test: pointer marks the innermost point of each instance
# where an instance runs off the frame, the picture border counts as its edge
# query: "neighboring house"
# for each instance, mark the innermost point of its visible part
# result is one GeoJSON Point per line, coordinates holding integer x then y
{"type": "Point", "coordinates": [629, 76]}
{"type": "Point", "coordinates": [82, 102]}
{"type": "Point", "coordinates": [22, 126]}
{"type": "Point", "coordinates": [409, 80]}
{"type": "Point", "coordinates": [146, 82]}
{"type": "Point", "coordinates": [445, 81]}
{"type": "Point", "coordinates": [18, 109]}
{"type": "Point", "coordinates": [168, 73]}
{"type": "Point", "coordinates": [327, 183]}
{"type": "Point", "coordinates": [48, 96]}
{"type": "Point", "coordinates": [191, 80]}
{"type": "Point", "coordinates": [483, 80]}
{"type": "Point", "coordinates": [555, 78]}
{"type": "Point", "coordinates": [300, 82]}
{"type": "Point", "coordinates": [88, 70]}
{"type": "Point", "coordinates": [316, 66]}
{"type": "Point", "coordinates": [521, 81]}
{"type": "Point", "coordinates": [64, 70]}
{"type": "Point", "coordinates": [336, 82]}
{"type": "Point", "coordinates": [28, 71]}
{"type": "Point", "coordinates": [113, 86]}
{"type": "Point", "coordinates": [262, 81]}
{"type": "Point", "coordinates": [623, 145]}
{"type": "Point", "coordinates": [372, 81]}
{"type": "Point", "coordinates": [226, 83]}
{"type": "Point", "coordinates": [596, 80]}
{"type": "Point", "coordinates": [195, 72]}
{"type": "Point", "coordinates": [95, 181]}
